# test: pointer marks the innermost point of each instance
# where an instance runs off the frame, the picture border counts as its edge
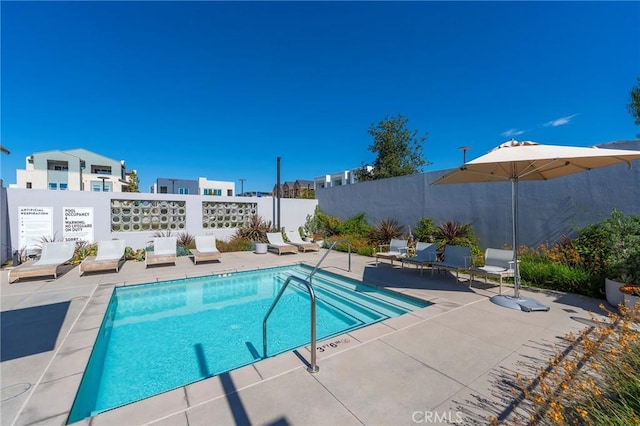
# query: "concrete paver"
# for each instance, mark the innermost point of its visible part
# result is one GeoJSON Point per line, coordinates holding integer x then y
{"type": "Point", "coordinates": [455, 358]}
{"type": "Point", "coordinates": [294, 398]}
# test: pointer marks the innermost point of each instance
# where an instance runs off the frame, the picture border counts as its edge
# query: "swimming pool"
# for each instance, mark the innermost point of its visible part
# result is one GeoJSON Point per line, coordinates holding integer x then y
{"type": "Point", "coordinates": [157, 337]}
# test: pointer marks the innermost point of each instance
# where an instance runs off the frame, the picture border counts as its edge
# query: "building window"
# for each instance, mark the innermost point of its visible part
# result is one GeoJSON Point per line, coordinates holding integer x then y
{"type": "Point", "coordinates": [101, 170]}
{"type": "Point", "coordinates": [217, 192]}
{"type": "Point", "coordinates": [183, 191]}
{"type": "Point", "coordinates": [229, 192]}
{"type": "Point", "coordinates": [163, 189]}
{"type": "Point", "coordinates": [53, 186]}
{"type": "Point", "coordinates": [29, 185]}
{"type": "Point", "coordinates": [96, 187]}
{"type": "Point", "coordinates": [63, 187]}
{"type": "Point", "coordinates": [57, 165]}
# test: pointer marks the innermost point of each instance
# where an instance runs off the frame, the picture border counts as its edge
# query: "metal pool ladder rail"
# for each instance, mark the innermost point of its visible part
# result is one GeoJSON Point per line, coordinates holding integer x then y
{"type": "Point", "coordinates": [313, 368]}
{"type": "Point", "coordinates": [327, 252]}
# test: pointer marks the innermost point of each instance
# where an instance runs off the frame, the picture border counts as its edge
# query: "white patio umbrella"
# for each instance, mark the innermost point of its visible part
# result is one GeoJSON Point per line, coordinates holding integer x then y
{"type": "Point", "coordinates": [515, 161]}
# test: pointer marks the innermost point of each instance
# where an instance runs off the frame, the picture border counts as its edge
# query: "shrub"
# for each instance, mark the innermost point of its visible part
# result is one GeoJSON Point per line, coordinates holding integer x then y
{"type": "Point", "coordinates": [235, 244]}
{"type": "Point", "coordinates": [557, 268]}
{"type": "Point", "coordinates": [366, 251]}
{"type": "Point", "coordinates": [594, 380]}
{"type": "Point", "coordinates": [358, 244]}
{"type": "Point", "coordinates": [162, 234]}
{"type": "Point", "coordinates": [312, 225]}
{"type": "Point", "coordinates": [425, 230]}
{"type": "Point", "coordinates": [611, 248]}
{"type": "Point", "coordinates": [328, 225]}
{"type": "Point", "coordinates": [136, 255]}
{"type": "Point", "coordinates": [457, 234]}
{"type": "Point", "coordinates": [385, 230]}
{"type": "Point", "coordinates": [558, 276]}
{"type": "Point", "coordinates": [82, 251]}
{"type": "Point", "coordinates": [454, 233]}
{"type": "Point", "coordinates": [356, 225]}
{"type": "Point", "coordinates": [187, 240]}
{"type": "Point", "coordinates": [321, 225]}
{"type": "Point", "coordinates": [256, 230]}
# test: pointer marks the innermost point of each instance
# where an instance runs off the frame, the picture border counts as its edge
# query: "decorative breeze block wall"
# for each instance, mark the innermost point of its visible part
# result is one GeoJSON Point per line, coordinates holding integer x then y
{"type": "Point", "coordinates": [221, 215]}
{"type": "Point", "coordinates": [147, 215]}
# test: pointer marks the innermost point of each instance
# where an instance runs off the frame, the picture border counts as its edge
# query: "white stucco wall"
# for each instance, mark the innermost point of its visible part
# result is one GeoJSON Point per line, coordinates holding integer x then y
{"type": "Point", "coordinates": [293, 212]}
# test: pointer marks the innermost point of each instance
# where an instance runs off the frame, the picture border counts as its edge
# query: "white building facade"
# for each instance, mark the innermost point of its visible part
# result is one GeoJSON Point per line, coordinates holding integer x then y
{"type": "Point", "coordinates": [346, 177]}
{"type": "Point", "coordinates": [216, 187]}
{"type": "Point", "coordinates": [72, 170]}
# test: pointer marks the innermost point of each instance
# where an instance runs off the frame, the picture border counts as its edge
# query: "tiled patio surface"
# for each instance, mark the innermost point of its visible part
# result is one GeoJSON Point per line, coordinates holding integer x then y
{"type": "Point", "coordinates": [452, 362]}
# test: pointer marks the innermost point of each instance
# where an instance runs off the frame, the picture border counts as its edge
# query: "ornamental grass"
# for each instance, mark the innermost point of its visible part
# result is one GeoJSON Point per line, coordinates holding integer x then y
{"type": "Point", "coordinates": [595, 380]}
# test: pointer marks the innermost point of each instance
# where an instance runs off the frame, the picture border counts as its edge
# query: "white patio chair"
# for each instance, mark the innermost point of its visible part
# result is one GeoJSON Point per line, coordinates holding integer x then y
{"type": "Point", "coordinates": [205, 250]}
{"type": "Point", "coordinates": [277, 244]}
{"type": "Point", "coordinates": [395, 250]}
{"type": "Point", "coordinates": [498, 263]}
{"type": "Point", "coordinates": [110, 252]}
{"type": "Point", "coordinates": [164, 251]}
{"type": "Point", "coordinates": [294, 238]}
{"type": "Point", "coordinates": [425, 255]}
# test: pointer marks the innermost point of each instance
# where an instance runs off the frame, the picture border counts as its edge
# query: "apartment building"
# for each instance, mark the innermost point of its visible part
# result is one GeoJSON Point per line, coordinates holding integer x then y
{"type": "Point", "coordinates": [346, 177]}
{"type": "Point", "coordinates": [298, 189]}
{"type": "Point", "coordinates": [202, 186]}
{"type": "Point", "coordinates": [72, 170]}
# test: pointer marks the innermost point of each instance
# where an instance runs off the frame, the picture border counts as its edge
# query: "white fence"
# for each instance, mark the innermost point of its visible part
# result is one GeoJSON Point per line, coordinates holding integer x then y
{"type": "Point", "coordinates": [29, 215]}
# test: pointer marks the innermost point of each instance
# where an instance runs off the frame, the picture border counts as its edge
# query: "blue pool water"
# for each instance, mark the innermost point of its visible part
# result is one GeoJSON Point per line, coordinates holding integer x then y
{"type": "Point", "coordinates": [157, 337]}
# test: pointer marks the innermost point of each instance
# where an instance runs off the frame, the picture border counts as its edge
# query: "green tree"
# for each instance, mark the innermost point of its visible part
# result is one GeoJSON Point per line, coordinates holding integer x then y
{"type": "Point", "coordinates": [399, 150]}
{"type": "Point", "coordinates": [133, 182]}
{"type": "Point", "coordinates": [309, 194]}
{"type": "Point", "coordinates": [634, 103]}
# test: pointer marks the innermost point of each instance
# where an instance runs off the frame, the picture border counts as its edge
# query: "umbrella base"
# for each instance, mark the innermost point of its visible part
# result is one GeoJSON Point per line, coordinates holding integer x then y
{"type": "Point", "coordinates": [525, 304]}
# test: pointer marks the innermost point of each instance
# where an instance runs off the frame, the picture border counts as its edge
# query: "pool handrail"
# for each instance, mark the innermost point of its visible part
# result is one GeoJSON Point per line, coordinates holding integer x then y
{"type": "Point", "coordinates": [327, 252]}
{"type": "Point", "coordinates": [313, 368]}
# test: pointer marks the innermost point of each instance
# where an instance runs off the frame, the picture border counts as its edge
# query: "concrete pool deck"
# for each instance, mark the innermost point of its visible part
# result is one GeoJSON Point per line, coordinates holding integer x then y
{"type": "Point", "coordinates": [451, 362]}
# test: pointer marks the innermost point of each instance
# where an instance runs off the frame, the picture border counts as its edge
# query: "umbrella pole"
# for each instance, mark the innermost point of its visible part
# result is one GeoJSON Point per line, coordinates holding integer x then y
{"type": "Point", "coordinates": [514, 221]}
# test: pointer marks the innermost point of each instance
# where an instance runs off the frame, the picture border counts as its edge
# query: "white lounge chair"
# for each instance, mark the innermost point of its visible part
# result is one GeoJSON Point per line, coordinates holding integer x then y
{"type": "Point", "coordinates": [456, 258]}
{"type": "Point", "coordinates": [498, 263]}
{"type": "Point", "coordinates": [395, 250]}
{"type": "Point", "coordinates": [205, 249]}
{"type": "Point", "coordinates": [425, 255]}
{"type": "Point", "coordinates": [53, 254]}
{"type": "Point", "coordinates": [110, 252]}
{"type": "Point", "coordinates": [294, 238]}
{"type": "Point", "coordinates": [276, 243]}
{"type": "Point", "coordinates": [164, 251]}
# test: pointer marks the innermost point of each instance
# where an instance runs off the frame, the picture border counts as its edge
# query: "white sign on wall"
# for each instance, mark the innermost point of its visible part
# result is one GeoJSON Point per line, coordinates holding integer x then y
{"type": "Point", "coordinates": [78, 224]}
{"type": "Point", "coordinates": [35, 225]}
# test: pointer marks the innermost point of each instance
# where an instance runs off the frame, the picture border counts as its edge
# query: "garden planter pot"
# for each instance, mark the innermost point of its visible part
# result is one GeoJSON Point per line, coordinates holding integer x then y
{"type": "Point", "coordinates": [261, 248]}
{"type": "Point", "coordinates": [612, 291]}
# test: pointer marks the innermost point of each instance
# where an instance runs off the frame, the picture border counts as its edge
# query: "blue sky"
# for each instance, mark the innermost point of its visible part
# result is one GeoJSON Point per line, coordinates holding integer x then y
{"type": "Point", "coordinates": [220, 89]}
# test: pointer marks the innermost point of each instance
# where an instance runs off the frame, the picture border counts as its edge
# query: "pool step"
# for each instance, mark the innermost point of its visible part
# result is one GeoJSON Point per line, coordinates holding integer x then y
{"type": "Point", "coordinates": [366, 303]}
{"type": "Point", "coordinates": [343, 305]}
{"type": "Point", "coordinates": [366, 293]}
